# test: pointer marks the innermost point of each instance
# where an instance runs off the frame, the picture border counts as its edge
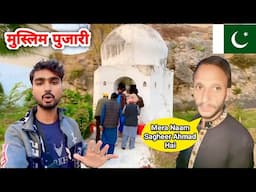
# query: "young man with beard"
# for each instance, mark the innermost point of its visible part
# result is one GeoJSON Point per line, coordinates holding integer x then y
{"type": "Point", "coordinates": [222, 141]}
{"type": "Point", "coordinates": [45, 137]}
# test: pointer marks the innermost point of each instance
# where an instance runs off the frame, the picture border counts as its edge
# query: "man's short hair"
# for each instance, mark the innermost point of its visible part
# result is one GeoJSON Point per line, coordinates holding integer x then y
{"type": "Point", "coordinates": [113, 95]}
{"type": "Point", "coordinates": [52, 65]}
{"type": "Point", "coordinates": [218, 61]}
{"type": "Point", "coordinates": [121, 86]}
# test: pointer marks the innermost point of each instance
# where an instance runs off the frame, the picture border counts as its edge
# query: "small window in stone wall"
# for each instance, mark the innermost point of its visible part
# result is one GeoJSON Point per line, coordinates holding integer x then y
{"type": "Point", "coordinates": [104, 83]}
{"type": "Point", "coordinates": [144, 84]}
{"type": "Point", "coordinates": [155, 84]}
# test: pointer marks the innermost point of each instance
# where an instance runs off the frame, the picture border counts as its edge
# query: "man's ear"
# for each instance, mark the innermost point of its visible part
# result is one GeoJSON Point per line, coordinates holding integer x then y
{"type": "Point", "coordinates": [228, 94]}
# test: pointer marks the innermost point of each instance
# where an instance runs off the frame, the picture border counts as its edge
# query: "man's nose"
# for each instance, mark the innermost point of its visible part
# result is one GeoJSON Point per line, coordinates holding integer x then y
{"type": "Point", "coordinates": [206, 95]}
{"type": "Point", "coordinates": [47, 87]}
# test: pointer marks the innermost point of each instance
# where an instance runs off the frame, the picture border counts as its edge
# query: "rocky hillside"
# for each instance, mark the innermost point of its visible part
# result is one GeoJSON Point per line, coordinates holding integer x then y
{"type": "Point", "coordinates": [187, 45]}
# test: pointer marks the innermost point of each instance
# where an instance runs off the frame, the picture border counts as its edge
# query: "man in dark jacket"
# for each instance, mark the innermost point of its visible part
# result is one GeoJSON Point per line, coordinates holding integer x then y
{"type": "Point", "coordinates": [110, 114]}
{"type": "Point", "coordinates": [223, 141]}
{"type": "Point", "coordinates": [98, 109]}
{"type": "Point", "coordinates": [45, 137]}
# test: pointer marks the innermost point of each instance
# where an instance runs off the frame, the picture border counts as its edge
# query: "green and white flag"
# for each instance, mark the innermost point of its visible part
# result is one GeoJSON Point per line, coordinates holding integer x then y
{"type": "Point", "coordinates": [234, 38]}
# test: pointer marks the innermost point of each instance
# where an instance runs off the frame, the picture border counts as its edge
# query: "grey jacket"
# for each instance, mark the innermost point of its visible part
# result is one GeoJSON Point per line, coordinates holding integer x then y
{"type": "Point", "coordinates": [24, 147]}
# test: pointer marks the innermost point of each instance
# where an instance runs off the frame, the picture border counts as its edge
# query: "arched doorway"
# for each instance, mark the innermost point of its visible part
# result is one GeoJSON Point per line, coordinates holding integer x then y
{"type": "Point", "coordinates": [126, 80]}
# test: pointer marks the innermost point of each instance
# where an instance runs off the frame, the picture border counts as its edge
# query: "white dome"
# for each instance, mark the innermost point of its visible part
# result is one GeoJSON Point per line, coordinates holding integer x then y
{"type": "Point", "coordinates": [134, 44]}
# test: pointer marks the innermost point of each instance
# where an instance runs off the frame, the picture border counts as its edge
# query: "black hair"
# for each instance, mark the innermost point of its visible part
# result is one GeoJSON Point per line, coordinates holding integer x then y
{"type": "Point", "coordinates": [121, 86]}
{"type": "Point", "coordinates": [113, 96]}
{"type": "Point", "coordinates": [133, 89]}
{"type": "Point", "coordinates": [52, 65]}
{"type": "Point", "coordinates": [218, 61]}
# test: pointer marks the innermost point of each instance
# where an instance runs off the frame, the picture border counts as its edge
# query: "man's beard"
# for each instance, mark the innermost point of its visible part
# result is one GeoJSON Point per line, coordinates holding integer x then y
{"type": "Point", "coordinates": [218, 111]}
{"type": "Point", "coordinates": [49, 107]}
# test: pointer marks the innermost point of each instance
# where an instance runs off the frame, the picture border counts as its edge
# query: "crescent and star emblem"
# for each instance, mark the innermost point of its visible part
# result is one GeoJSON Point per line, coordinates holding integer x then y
{"type": "Point", "coordinates": [235, 43]}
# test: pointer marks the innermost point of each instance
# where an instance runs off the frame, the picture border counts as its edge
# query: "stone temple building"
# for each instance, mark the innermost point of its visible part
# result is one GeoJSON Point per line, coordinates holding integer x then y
{"type": "Point", "coordinates": [136, 54]}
